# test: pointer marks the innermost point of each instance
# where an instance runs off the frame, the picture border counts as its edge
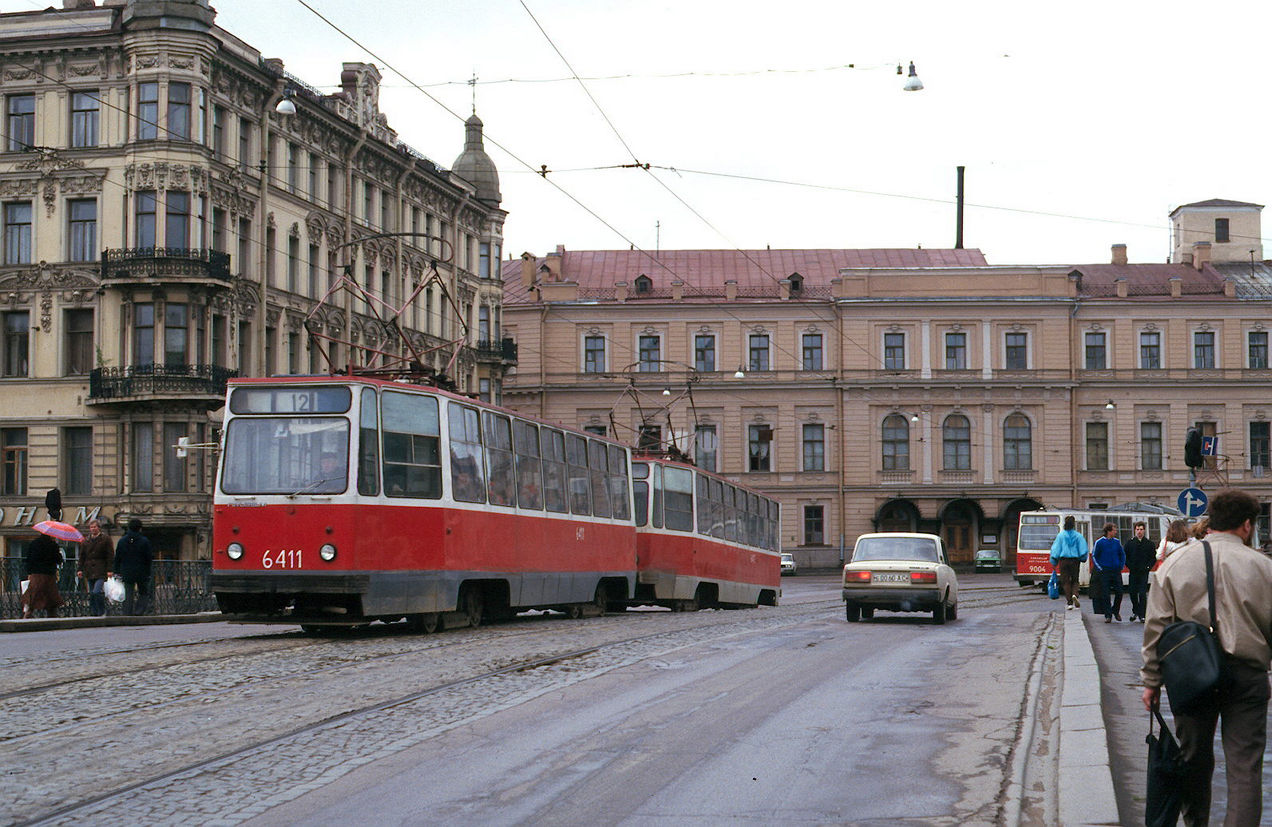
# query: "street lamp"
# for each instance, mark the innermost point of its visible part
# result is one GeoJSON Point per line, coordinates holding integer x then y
{"type": "Point", "coordinates": [1109, 406]}
{"type": "Point", "coordinates": [912, 83]}
{"type": "Point", "coordinates": [738, 374]}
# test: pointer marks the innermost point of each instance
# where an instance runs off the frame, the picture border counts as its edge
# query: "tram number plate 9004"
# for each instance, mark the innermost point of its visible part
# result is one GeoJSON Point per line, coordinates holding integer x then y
{"type": "Point", "coordinates": [284, 558]}
{"type": "Point", "coordinates": [891, 577]}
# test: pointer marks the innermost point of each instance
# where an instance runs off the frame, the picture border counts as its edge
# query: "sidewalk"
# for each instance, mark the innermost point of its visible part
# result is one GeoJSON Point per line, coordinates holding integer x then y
{"type": "Point", "coordinates": [47, 624]}
{"type": "Point", "coordinates": [1086, 775]}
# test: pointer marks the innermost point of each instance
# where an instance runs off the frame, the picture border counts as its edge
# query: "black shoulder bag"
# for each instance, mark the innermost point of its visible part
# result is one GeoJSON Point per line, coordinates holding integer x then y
{"type": "Point", "coordinates": [1190, 656]}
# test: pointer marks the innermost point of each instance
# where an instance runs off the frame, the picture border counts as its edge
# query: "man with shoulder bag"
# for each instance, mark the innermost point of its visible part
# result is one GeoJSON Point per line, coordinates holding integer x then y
{"type": "Point", "coordinates": [1241, 580]}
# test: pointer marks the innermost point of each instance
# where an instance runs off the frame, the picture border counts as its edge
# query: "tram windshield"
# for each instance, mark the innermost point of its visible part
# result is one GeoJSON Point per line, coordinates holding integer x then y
{"type": "Point", "coordinates": [286, 455]}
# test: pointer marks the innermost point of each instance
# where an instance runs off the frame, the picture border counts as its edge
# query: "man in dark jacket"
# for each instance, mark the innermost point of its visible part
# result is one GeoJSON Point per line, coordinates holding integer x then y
{"type": "Point", "coordinates": [132, 563]}
{"type": "Point", "coordinates": [1140, 553]}
{"type": "Point", "coordinates": [95, 558]}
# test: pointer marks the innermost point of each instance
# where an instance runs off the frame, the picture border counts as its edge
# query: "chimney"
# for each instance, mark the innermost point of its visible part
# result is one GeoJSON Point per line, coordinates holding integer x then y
{"type": "Point", "coordinates": [784, 287]}
{"type": "Point", "coordinates": [730, 289]}
{"type": "Point", "coordinates": [1120, 283]}
{"type": "Point", "coordinates": [620, 291]}
{"type": "Point", "coordinates": [1176, 287]}
{"type": "Point", "coordinates": [527, 270]}
{"type": "Point", "coordinates": [1201, 254]}
{"type": "Point", "coordinates": [677, 290]}
{"type": "Point", "coordinates": [1119, 254]}
{"type": "Point", "coordinates": [1230, 287]}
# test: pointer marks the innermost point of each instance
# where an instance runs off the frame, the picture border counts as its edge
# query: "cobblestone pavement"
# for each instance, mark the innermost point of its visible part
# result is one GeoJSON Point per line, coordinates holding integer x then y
{"type": "Point", "coordinates": [215, 732]}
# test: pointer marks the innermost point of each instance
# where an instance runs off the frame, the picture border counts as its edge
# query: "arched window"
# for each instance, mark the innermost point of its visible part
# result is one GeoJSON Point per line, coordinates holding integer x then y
{"type": "Point", "coordinates": [1017, 443]}
{"type": "Point", "coordinates": [956, 438]}
{"type": "Point", "coordinates": [896, 443]}
{"type": "Point", "coordinates": [644, 284]}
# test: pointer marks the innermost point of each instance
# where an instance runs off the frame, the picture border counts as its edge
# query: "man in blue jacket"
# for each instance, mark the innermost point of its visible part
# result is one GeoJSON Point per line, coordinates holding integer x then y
{"type": "Point", "coordinates": [1107, 562]}
{"type": "Point", "coordinates": [1068, 551]}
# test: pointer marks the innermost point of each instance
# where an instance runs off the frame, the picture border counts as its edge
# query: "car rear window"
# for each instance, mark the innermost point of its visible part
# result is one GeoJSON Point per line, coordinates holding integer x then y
{"type": "Point", "coordinates": [918, 549]}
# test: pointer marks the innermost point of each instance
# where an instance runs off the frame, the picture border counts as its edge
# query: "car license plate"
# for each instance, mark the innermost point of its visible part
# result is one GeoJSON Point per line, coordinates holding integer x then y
{"type": "Point", "coordinates": [890, 577]}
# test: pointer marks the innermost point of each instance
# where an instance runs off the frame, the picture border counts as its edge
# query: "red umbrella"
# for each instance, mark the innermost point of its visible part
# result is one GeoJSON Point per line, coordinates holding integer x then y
{"type": "Point", "coordinates": [60, 531]}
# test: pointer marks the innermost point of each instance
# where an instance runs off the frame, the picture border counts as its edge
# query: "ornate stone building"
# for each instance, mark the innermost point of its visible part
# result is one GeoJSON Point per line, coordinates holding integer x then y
{"type": "Point", "coordinates": [913, 389]}
{"type": "Point", "coordinates": [167, 224]}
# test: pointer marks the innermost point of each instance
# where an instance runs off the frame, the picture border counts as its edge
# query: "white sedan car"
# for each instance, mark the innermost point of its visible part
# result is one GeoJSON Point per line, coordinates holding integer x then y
{"type": "Point", "coordinates": [900, 573]}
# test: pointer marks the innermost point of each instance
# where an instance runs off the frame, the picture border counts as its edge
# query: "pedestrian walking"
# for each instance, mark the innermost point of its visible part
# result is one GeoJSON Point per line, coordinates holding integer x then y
{"type": "Point", "coordinates": [133, 558]}
{"type": "Point", "coordinates": [1141, 555]}
{"type": "Point", "coordinates": [42, 559]}
{"type": "Point", "coordinates": [1243, 614]}
{"type": "Point", "coordinates": [95, 564]}
{"type": "Point", "coordinates": [1177, 537]}
{"type": "Point", "coordinates": [1107, 562]}
{"type": "Point", "coordinates": [1068, 551]}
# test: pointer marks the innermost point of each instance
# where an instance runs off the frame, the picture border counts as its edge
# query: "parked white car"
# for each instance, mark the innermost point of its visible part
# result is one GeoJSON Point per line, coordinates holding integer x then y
{"type": "Point", "coordinates": [788, 563]}
{"type": "Point", "coordinates": [900, 573]}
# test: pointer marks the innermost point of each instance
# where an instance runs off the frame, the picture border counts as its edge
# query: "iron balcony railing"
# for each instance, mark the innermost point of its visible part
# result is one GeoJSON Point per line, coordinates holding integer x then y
{"type": "Point", "coordinates": [505, 349]}
{"type": "Point", "coordinates": [177, 587]}
{"type": "Point", "coordinates": [145, 380]}
{"type": "Point", "coordinates": [165, 263]}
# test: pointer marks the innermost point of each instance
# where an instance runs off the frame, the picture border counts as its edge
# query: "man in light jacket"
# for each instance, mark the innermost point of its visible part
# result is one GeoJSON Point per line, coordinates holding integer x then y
{"type": "Point", "coordinates": [1243, 615]}
{"type": "Point", "coordinates": [1068, 551]}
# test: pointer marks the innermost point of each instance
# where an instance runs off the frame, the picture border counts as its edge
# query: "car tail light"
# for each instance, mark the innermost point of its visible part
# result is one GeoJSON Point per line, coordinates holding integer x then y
{"type": "Point", "coordinates": [856, 577]}
{"type": "Point", "coordinates": [922, 577]}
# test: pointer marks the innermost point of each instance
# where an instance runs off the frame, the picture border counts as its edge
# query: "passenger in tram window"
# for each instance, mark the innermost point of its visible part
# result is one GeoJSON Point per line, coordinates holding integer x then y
{"type": "Point", "coordinates": [528, 487]}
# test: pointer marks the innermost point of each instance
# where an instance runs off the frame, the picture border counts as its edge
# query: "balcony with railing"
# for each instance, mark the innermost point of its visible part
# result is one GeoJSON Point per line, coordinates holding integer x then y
{"type": "Point", "coordinates": [504, 350]}
{"type": "Point", "coordinates": [166, 264]}
{"type": "Point", "coordinates": [147, 383]}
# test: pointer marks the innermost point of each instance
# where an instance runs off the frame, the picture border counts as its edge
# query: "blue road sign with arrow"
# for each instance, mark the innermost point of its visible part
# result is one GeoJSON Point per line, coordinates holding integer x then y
{"type": "Point", "coordinates": [1193, 502]}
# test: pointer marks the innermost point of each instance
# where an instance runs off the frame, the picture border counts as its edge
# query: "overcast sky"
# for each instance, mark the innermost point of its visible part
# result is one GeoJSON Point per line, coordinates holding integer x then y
{"type": "Point", "coordinates": [1081, 124]}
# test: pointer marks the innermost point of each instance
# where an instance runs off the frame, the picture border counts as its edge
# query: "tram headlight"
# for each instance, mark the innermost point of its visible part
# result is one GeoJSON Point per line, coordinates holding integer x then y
{"type": "Point", "coordinates": [327, 552]}
{"type": "Point", "coordinates": [235, 551]}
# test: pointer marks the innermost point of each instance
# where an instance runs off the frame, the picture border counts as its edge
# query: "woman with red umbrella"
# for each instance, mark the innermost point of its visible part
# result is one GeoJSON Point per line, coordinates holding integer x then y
{"type": "Point", "coordinates": [42, 559]}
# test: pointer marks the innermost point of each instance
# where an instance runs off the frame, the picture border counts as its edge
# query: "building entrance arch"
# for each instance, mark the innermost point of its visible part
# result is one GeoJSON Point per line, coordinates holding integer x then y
{"type": "Point", "coordinates": [897, 515]}
{"type": "Point", "coordinates": [960, 529]}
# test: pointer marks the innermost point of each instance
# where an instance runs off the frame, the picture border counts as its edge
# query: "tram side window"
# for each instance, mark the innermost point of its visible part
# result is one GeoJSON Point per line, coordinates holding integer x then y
{"type": "Point", "coordinates": [576, 463]}
{"type": "Point", "coordinates": [498, 434]}
{"type": "Point", "coordinates": [703, 504]}
{"type": "Point", "coordinates": [525, 442]}
{"type": "Point", "coordinates": [468, 482]}
{"type": "Point", "coordinates": [619, 495]}
{"type": "Point", "coordinates": [730, 514]}
{"type": "Point", "coordinates": [412, 453]}
{"type": "Point", "coordinates": [753, 520]}
{"type": "Point", "coordinates": [775, 524]}
{"type": "Point", "coordinates": [554, 471]}
{"type": "Point", "coordinates": [600, 498]}
{"type": "Point", "coordinates": [657, 518]}
{"type": "Point", "coordinates": [717, 509]}
{"type": "Point", "coordinates": [368, 445]}
{"type": "Point", "coordinates": [640, 487]}
{"type": "Point", "coordinates": [678, 499]}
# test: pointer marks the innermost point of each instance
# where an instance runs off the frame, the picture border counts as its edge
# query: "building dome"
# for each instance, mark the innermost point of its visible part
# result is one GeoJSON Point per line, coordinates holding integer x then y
{"type": "Point", "coordinates": [475, 166]}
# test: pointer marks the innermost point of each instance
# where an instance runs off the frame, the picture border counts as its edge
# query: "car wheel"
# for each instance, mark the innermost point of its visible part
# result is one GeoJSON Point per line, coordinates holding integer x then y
{"type": "Point", "coordinates": [952, 612]}
{"type": "Point", "coordinates": [852, 611]}
{"type": "Point", "coordinates": [867, 612]}
{"type": "Point", "coordinates": [938, 614]}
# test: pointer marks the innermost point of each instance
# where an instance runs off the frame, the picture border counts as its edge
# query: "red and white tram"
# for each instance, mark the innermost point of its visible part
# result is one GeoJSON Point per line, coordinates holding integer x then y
{"type": "Point", "coordinates": [342, 501]}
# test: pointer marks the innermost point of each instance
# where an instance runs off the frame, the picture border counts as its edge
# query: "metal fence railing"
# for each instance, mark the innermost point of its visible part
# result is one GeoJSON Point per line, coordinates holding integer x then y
{"type": "Point", "coordinates": [178, 587]}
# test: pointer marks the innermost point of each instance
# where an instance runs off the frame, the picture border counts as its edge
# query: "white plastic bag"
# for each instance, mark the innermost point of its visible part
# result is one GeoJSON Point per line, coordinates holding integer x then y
{"type": "Point", "coordinates": [25, 585]}
{"type": "Point", "coordinates": [114, 589]}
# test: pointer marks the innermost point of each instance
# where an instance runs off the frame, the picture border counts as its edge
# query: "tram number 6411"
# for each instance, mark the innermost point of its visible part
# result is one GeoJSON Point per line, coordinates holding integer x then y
{"type": "Point", "coordinates": [284, 558]}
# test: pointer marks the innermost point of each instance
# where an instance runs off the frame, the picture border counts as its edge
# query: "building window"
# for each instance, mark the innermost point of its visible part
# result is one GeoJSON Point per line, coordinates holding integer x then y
{"type": "Point", "coordinates": [244, 143]}
{"type": "Point", "coordinates": [293, 168]}
{"type": "Point", "coordinates": [143, 334]}
{"type": "Point", "coordinates": [814, 525]}
{"type": "Point", "coordinates": [1097, 446]}
{"type": "Point", "coordinates": [644, 284]}
{"type": "Point", "coordinates": [1016, 351]}
{"type": "Point", "coordinates": [79, 341]}
{"type": "Point", "coordinates": [314, 167]}
{"type": "Point", "coordinates": [483, 325]}
{"type": "Point", "coordinates": [179, 111]}
{"type": "Point", "coordinates": [1203, 349]}
{"type": "Point", "coordinates": [704, 353]}
{"type": "Point", "coordinates": [896, 443]}
{"type": "Point", "coordinates": [1017, 443]}
{"type": "Point", "coordinates": [1096, 356]}
{"type": "Point", "coordinates": [77, 471]}
{"type": "Point", "coordinates": [13, 458]}
{"type": "Point", "coordinates": [218, 132]}
{"type": "Point", "coordinates": [1258, 349]}
{"type": "Point", "coordinates": [1151, 446]}
{"type": "Point", "coordinates": [598, 430]}
{"type": "Point", "coordinates": [956, 351]}
{"type": "Point", "coordinates": [483, 259]}
{"type": "Point", "coordinates": [894, 351]}
{"type": "Point", "coordinates": [176, 229]}
{"type": "Point", "coordinates": [1260, 445]}
{"type": "Point", "coordinates": [759, 448]}
{"type": "Point", "coordinates": [143, 456]}
{"type": "Point", "coordinates": [1150, 350]}
{"type": "Point", "coordinates": [145, 219]}
{"type": "Point", "coordinates": [593, 354]}
{"type": "Point", "coordinates": [84, 118]}
{"type": "Point", "coordinates": [368, 201]}
{"type": "Point", "coordinates": [706, 447]}
{"type": "Point", "coordinates": [82, 229]}
{"type": "Point", "coordinates": [758, 350]}
{"type": "Point", "coordinates": [21, 122]}
{"type": "Point", "coordinates": [1221, 230]}
{"type": "Point", "coordinates": [17, 232]}
{"type": "Point", "coordinates": [293, 264]}
{"type": "Point", "coordinates": [956, 439]}
{"type": "Point", "coordinates": [649, 438]}
{"type": "Point", "coordinates": [147, 111]}
{"type": "Point", "coordinates": [814, 447]}
{"type": "Point", "coordinates": [174, 467]}
{"type": "Point", "coordinates": [17, 342]}
{"type": "Point", "coordinates": [175, 333]}
{"type": "Point", "coordinates": [811, 351]}
{"type": "Point", "coordinates": [650, 354]}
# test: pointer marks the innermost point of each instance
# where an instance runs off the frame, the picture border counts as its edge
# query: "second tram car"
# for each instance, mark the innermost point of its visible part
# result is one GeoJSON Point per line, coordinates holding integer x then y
{"type": "Point", "coordinates": [342, 501]}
